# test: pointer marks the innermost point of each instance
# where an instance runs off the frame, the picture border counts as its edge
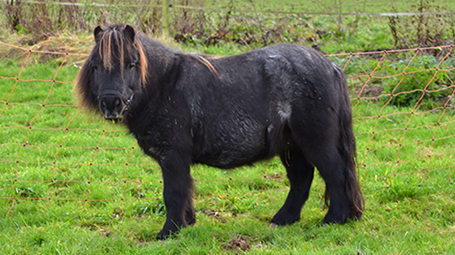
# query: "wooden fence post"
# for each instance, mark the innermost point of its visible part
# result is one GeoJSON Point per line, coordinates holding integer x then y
{"type": "Point", "coordinates": [165, 18]}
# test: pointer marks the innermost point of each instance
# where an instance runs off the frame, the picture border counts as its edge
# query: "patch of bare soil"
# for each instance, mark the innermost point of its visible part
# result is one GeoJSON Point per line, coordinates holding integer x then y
{"type": "Point", "coordinates": [239, 244]}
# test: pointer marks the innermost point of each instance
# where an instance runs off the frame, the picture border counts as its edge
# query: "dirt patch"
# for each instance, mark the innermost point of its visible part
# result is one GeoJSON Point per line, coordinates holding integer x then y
{"type": "Point", "coordinates": [373, 90]}
{"type": "Point", "coordinates": [219, 216]}
{"type": "Point", "coordinates": [370, 91]}
{"type": "Point", "coordinates": [239, 244]}
{"type": "Point", "coordinates": [211, 213]}
{"type": "Point", "coordinates": [106, 233]}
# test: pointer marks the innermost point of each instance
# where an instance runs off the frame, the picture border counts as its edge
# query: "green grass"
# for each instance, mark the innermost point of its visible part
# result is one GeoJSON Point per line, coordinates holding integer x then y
{"type": "Point", "coordinates": [333, 6]}
{"type": "Point", "coordinates": [410, 206]}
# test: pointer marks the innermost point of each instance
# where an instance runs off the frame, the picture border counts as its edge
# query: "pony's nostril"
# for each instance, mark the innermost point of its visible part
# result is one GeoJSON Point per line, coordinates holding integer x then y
{"type": "Point", "coordinates": [117, 102]}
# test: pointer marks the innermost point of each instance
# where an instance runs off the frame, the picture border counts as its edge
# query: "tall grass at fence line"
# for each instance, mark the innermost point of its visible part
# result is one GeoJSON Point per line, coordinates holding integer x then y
{"type": "Point", "coordinates": [332, 25]}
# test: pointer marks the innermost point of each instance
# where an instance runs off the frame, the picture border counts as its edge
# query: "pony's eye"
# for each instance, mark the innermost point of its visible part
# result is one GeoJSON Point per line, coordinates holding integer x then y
{"type": "Point", "coordinates": [132, 65]}
{"type": "Point", "coordinates": [94, 67]}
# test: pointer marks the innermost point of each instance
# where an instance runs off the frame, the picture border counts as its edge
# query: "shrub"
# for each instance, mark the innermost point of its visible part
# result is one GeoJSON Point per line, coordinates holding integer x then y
{"type": "Point", "coordinates": [409, 87]}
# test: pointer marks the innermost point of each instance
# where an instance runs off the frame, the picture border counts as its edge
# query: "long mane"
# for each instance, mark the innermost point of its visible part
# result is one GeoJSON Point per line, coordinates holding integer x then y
{"type": "Point", "coordinates": [111, 46]}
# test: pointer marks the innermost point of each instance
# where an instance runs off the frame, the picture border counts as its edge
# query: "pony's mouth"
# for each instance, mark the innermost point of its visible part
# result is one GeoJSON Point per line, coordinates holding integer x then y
{"type": "Point", "coordinates": [113, 106]}
{"type": "Point", "coordinates": [113, 112]}
{"type": "Point", "coordinates": [115, 120]}
{"type": "Point", "coordinates": [116, 115]}
{"type": "Point", "coordinates": [113, 116]}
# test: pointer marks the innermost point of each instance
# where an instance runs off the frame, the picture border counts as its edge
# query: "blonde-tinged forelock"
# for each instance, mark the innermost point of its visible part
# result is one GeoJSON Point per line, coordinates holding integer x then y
{"type": "Point", "coordinates": [107, 54]}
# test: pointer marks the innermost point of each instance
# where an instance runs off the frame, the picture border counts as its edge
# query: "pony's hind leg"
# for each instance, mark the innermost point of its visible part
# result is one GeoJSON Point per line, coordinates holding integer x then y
{"type": "Point", "coordinates": [325, 145]}
{"type": "Point", "coordinates": [300, 174]}
{"type": "Point", "coordinates": [336, 185]}
{"type": "Point", "coordinates": [341, 183]}
{"type": "Point", "coordinates": [190, 214]}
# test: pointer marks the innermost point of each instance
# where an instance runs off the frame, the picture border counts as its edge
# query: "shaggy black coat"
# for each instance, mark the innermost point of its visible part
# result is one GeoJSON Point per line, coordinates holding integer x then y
{"type": "Point", "coordinates": [286, 100]}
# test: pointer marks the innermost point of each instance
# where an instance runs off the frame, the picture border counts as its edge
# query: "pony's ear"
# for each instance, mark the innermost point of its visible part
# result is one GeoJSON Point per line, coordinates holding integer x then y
{"type": "Point", "coordinates": [97, 30]}
{"type": "Point", "coordinates": [129, 32]}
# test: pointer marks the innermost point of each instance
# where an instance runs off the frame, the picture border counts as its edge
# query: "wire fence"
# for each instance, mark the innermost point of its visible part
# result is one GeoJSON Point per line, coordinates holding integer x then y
{"type": "Point", "coordinates": [312, 7]}
{"type": "Point", "coordinates": [241, 21]}
{"type": "Point", "coordinates": [54, 152]}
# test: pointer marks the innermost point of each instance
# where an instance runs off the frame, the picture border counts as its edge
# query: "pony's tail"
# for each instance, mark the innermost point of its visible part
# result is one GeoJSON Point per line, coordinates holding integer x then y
{"type": "Point", "coordinates": [347, 146]}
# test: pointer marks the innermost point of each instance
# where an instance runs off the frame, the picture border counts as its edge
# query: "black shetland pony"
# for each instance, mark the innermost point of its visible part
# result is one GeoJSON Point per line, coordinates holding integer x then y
{"type": "Point", "coordinates": [285, 100]}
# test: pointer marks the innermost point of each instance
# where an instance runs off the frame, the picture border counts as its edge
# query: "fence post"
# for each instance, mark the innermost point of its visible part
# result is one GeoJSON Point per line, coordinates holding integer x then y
{"type": "Point", "coordinates": [165, 18]}
{"type": "Point", "coordinates": [340, 7]}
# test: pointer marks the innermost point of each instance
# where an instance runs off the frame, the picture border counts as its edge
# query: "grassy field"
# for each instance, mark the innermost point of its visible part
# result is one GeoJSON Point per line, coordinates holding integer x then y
{"type": "Point", "coordinates": [89, 201]}
{"type": "Point", "coordinates": [71, 183]}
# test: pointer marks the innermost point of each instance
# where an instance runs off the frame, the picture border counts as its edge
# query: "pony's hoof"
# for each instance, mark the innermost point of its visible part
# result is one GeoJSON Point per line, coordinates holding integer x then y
{"type": "Point", "coordinates": [165, 234]}
{"type": "Point", "coordinates": [162, 236]}
{"type": "Point", "coordinates": [333, 219]}
{"type": "Point", "coordinates": [273, 225]}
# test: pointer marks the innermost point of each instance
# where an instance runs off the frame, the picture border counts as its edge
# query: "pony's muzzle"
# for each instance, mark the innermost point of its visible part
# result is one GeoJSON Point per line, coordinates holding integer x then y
{"type": "Point", "coordinates": [112, 107]}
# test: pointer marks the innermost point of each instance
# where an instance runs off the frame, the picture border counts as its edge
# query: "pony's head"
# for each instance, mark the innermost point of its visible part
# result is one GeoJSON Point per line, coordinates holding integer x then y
{"type": "Point", "coordinates": [114, 72]}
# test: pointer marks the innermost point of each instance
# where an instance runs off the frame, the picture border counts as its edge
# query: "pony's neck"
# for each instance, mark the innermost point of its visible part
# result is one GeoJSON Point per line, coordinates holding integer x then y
{"type": "Point", "coordinates": [160, 58]}
{"type": "Point", "coordinates": [162, 65]}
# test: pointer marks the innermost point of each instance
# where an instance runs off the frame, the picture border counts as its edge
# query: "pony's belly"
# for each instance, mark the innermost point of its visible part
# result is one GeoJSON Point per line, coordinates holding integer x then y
{"type": "Point", "coordinates": [235, 157]}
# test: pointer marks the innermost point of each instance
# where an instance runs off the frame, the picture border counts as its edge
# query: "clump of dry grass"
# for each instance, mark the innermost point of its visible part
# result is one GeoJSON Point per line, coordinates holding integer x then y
{"type": "Point", "coordinates": [16, 48]}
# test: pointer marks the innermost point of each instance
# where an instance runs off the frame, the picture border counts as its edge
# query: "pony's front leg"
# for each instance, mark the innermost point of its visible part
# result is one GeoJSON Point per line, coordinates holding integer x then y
{"type": "Point", "coordinates": [178, 194]}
